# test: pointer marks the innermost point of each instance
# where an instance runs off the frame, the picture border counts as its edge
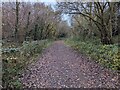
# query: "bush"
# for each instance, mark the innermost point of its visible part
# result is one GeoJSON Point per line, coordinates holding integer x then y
{"type": "Point", "coordinates": [31, 48]}
{"type": "Point", "coordinates": [10, 50]}
{"type": "Point", "coordinates": [16, 59]}
{"type": "Point", "coordinates": [105, 54]}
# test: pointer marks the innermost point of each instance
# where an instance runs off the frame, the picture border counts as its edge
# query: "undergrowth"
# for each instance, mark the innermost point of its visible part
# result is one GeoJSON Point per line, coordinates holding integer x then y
{"type": "Point", "coordinates": [15, 59]}
{"type": "Point", "coordinates": [107, 55]}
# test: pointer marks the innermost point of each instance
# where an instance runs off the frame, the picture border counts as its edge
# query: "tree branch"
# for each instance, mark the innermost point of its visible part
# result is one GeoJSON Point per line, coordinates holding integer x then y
{"type": "Point", "coordinates": [85, 16]}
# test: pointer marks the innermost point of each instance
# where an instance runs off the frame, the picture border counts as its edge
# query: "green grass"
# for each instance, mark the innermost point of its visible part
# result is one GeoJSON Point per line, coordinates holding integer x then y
{"type": "Point", "coordinates": [15, 59]}
{"type": "Point", "coordinates": [107, 55]}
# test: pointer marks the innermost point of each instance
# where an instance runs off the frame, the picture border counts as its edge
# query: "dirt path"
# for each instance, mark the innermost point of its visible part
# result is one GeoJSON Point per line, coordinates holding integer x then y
{"type": "Point", "coordinates": [60, 66]}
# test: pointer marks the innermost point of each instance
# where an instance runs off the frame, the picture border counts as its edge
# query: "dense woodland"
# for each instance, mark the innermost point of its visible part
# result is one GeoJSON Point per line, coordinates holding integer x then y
{"type": "Point", "coordinates": [29, 27]}
{"type": "Point", "coordinates": [94, 19]}
{"type": "Point", "coordinates": [35, 21]}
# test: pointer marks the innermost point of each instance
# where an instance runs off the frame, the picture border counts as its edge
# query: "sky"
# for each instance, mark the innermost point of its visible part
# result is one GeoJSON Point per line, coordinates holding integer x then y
{"type": "Point", "coordinates": [52, 3]}
{"type": "Point", "coordinates": [28, 0]}
{"type": "Point", "coordinates": [58, 0]}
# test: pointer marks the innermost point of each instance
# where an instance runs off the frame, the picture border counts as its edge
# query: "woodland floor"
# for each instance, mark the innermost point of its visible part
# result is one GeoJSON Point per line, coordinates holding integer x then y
{"type": "Point", "coordinates": [62, 67]}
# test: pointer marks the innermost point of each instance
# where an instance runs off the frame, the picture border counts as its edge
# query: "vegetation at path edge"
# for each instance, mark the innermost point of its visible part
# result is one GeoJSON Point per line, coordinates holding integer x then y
{"type": "Point", "coordinates": [107, 55]}
{"type": "Point", "coordinates": [15, 59]}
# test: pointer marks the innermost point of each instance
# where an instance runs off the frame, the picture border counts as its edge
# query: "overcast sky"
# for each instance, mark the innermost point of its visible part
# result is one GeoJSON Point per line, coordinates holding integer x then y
{"type": "Point", "coordinates": [28, 0]}
{"type": "Point", "coordinates": [58, 0]}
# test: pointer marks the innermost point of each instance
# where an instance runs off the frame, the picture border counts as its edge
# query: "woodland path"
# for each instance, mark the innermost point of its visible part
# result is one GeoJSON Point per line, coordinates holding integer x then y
{"type": "Point", "coordinates": [62, 67]}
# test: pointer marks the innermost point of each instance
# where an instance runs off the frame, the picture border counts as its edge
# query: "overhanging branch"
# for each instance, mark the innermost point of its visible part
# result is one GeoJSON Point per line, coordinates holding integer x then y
{"type": "Point", "coordinates": [85, 16]}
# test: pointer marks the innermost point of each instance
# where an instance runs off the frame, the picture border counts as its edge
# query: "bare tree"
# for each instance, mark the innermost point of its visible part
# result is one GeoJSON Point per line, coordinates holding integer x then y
{"type": "Point", "coordinates": [17, 20]}
{"type": "Point", "coordinates": [99, 13]}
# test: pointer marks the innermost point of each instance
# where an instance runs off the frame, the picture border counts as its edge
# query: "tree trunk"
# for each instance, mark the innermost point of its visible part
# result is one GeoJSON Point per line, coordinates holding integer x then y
{"type": "Point", "coordinates": [26, 33]}
{"type": "Point", "coordinates": [90, 23]}
{"type": "Point", "coordinates": [17, 20]}
{"type": "Point", "coordinates": [106, 40]}
{"type": "Point", "coordinates": [105, 37]}
{"type": "Point", "coordinates": [35, 32]}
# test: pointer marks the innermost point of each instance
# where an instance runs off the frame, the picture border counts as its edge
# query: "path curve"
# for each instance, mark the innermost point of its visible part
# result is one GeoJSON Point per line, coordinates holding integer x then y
{"type": "Point", "coordinates": [62, 67]}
